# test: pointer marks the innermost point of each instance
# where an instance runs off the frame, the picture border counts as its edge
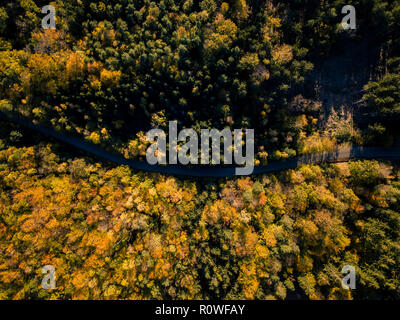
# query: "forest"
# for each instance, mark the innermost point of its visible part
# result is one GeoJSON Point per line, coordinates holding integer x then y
{"type": "Point", "coordinates": [114, 69]}
{"type": "Point", "coordinates": [114, 234]}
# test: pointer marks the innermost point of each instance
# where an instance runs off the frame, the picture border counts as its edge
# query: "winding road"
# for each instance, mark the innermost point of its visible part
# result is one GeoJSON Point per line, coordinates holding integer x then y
{"type": "Point", "coordinates": [339, 155]}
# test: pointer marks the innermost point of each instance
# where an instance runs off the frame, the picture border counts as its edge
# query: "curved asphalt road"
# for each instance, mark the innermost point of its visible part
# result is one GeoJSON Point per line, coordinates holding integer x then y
{"type": "Point", "coordinates": [339, 155]}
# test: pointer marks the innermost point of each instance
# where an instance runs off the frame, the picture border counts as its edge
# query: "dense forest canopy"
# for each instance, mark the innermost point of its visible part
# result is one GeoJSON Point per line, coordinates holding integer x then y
{"type": "Point", "coordinates": [114, 69]}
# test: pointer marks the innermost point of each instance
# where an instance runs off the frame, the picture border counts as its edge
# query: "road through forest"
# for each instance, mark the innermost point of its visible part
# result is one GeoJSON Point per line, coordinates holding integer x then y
{"type": "Point", "coordinates": [339, 155]}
